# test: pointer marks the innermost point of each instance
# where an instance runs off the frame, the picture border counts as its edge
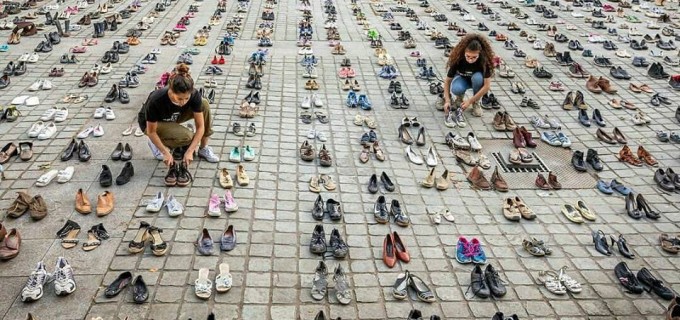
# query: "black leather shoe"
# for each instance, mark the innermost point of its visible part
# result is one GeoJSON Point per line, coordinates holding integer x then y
{"type": "Point", "coordinates": [105, 177]}
{"type": "Point", "coordinates": [334, 210]}
{"type": "Point", "coordinates": [127, 153]}
{"type": "Point", "coordinates": [320, 316]}
{"type": "Point", "coordinates": [84, 152]}
{"type": "Point", "coordinates": [125, 174]}
{"type": "Point", "coordinates": [478, 283]}
{"type": "Point", "coordinates": [112, 94]}
{"type": "Point", "coordinates": [594, 160]}
{"type": "Point", "coordinates": [631, 207]}
{"type": "Point", "coordinates": [373, 184]}
{"type": "Point", "coordinates": [493, 280]}
{"type": "Point", "coordinates": [387, 182]}
{"type": "Point", "coordinates": [663, 180]}
{"type": "Point", "coordinates": [318, 210]}
{"type": "Point", "coordinates": [122, 281]}
{"type": "Point", "coordinates": [627, 278]}
{"type": "Point", "coordinates": [67, 154]}
{"type": "Point", "coordinates": [597, 117]}
{"type": "Point", "coordinates": [601, 243]}
{"type": "Point", "coordinates": [643, 206]}
{"type": "Point", "coordinates": [115, 155]}
{"type": "Point", "coordinates": [577, 161]}
{"type": "Point", "coordinates": [583, 118]}
{"type": "Point", "coordinates": [140, 293]}
{"type": "Point", "coordinates": [415, 314]}
{"type": "Point", "coordinates": [318, 243]}
{"type": "Point", "coordinates": [653, 284]}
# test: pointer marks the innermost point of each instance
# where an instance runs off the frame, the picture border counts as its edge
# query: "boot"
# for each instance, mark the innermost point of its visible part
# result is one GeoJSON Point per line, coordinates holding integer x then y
{"type": "Point", "coordinates": [114, 25]}
{"type": "Point", "coordinates": [95, 34]}
{"type": "Point", "coordinates": [67, 24]}
{"type": "Point", "coordinates": [48, 19]}
{"type": "Point", "coordinates": [498, 182]}
{"type": "Point", "coordinates": [478, 180]}
{"type": "Point", "coordinates": [59, 29]}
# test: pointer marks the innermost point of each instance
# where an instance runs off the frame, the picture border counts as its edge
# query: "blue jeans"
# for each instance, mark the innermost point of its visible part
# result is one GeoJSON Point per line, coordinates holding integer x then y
{"type": "Point", "coordinates": [460, 84]}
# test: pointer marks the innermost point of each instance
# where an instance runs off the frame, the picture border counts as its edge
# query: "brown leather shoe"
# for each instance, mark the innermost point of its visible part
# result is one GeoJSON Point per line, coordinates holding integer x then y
{"type": "Point", "coordinates": [20, 205]}
{"type": "Point", "coordinates": [10, 247]}
{"type": "Point", "coordinates": [38, 208]}
{"type": "Point", "coordinates": [478, 180]}
{"type": "Point", "coordinates": [626, 155]}
{"type": "Point", "coordinates": [499, 122]}
{"type": "Point", "coordinates": [645, 156]}
{"type": "Point", "coordinates": [592, 85]}
{"type": "Point", "coordinates": [552, 180]}
{"type": "Point", "coordinates": [604, 84]}
{"type": "Point", "coordinates": [377, 151]}
{"type": "Point", "coordinates": [365, 152]}
{"type": "Point", "coordinates": [389, 254]}
{"type": "Point", "coordinates": [104, 203]}
{"type": "Point", "coordinates": [3, 232]}
{"type": "Point", "coordinates": [83, 204]}
{"type": "Point", "coordinates": [619, 137]}
{"type": "Point", "coordinates": [604, 137]}
{"type": "Point", "coordinates": [518, 139]}
{"type": "Point", "coordinates": [402, 252]}
{"type": "Point", "coordinates": [673, 312]}
{"type": "Point", "coordinates": [84, 80]}
{"type": "Point", "coordinates": [443, 182]}
{"type": "Point", "coordinates": [498, 182]}
{"type": "Point", "coordinates": [509, 122]}
{"type": "Point", "coordinates": [528, 138]}
{"type": "Point", "coordinates": [542, 183]}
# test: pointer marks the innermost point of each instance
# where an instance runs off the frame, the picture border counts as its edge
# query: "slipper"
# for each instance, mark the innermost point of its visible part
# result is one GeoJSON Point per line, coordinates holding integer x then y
{"type": "Point", "coordinates": [585, 211]}
{"type": "Point", "coordinates": [128, 131]}
{"type": "Point", "coordinates": [306, 118]}
{"type": "Point", "coordinates": [71, 239]}
{"type": "Point", "coordinates": [571, 213]}
{"type": "Point", "coordinates": [32, 101]}
{"type": "Point", "coordinates": [19, 100]}
{"type": "Point", "coordinates": [79, 99]}
{"type": "Point", "coordinates": [139, 132]}
{"type": "Point", "coordinates": [92, 241]}
{"type": "Point", "coordinates": [4, 48]}
{"type": "Point", "coordinates": [65, 175]}
{"type": "Point", "coordinates": [203, 285]}
{"type": "Point", "coordinates": [223, 281]}
{"type": "Point", "coordinates": [46, 178]}
{"type": "Point", "coordinates": [323, 118]}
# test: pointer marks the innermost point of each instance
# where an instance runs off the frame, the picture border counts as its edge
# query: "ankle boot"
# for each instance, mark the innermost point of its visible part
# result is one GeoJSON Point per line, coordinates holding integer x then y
{"type": "Point", "coordinates": [498, 182]}
{"type": "Point", "coordinates": [48, 19]}
{"type": "Point", "coordinates": [67, 24]}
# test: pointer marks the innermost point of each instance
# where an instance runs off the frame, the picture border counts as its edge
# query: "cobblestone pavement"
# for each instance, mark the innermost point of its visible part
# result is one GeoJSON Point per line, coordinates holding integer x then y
{"type": "Point", "coordinates": [272, 265]}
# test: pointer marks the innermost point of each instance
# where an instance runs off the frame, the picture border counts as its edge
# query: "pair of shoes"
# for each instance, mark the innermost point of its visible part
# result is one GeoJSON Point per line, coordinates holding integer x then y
{"type": "Point", "coordinates": [318, 245]}
{"type": "Point", "coordinates": [406, 281]}
{"type": "Point", "coordinates": [384, 179]}
{"type": "Point", "coordinates": [106, 178]}
{"type": "Point", "coordinates": [394, 249]}
{"type": "Point", "coordinates": [514, 209]}
{"type": "Point", "coordinates": [69, 232]}
{"type": "Point", "coordinates": [559, 283]}
{"type": "Point", "coordinates": [35, 206]}
{"type": "Point", "coordinates": [643, 156]}
{"type": "Point", "coordinates": [442, 182]}
{"type": "Point", "coordinates": [122, 152]}
{"type": "Point", "coordinates": [203, 286]}
{"type": "Point", "coordinates": [140, 292]}
{"type": "Point", "coordinates": [105, 203]}
{"type": "Point", "coordinates": [175, 208]}
{"type": "Point", "coordinates": [536, 247]}
{"type": "Point", "coordinates": [315, 183]}
{"type": "Point", "coordinates": [637, 205]}
{"type": "Point", "coordinates": [667, 179]}
{"type": "Point", "coordinates": [478, 180]}
{"type": "Point", "coordinates": [576, 213]}
{"type": "Point", "coordinates": [215, 202]}
{"type": "Point", "coordinates": [644, 281]}
{"type": "Point", "coordinates": [550, 184]}
{"type": "Point", "coordinates": [148, 233]}
{"type": "Point", "coordinates": [382, 214]}
{"type": "Point", "coordinates": [178, 175]}
{"type": "Point", "coordinates": [332, 207]}
{"type": "Point", "coordinates": [64, 281]}
{"type": "Point", "coordinates": [486, 283]}
{"type": "Point", "coordinates": [320, 284]}
{"type": "Point", "coordinates": [205, 243]}
{"type": "Point", "coordinates": [602, 245]}
{"type": "Point", "coordinates": [469, 251]}
{"type": "Point", "coordinates": [591, 158]}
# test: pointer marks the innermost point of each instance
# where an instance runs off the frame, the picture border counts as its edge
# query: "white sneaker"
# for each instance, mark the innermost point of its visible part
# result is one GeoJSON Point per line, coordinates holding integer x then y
{"type": "Point", "coordinates": [49, 114]}
{"type": "Point", "coordinates": [36, 85]}
{"type": "Point", "coordinates": [35, 129]}
{"type": "Point", "coordinates": [156, 203]}
{"type": "Point", "coordinates": [24, 57]}
{"type": "Point", "coordinates": [449, 121]}
{"type": "Point", "coordinates": [46, 85]}
{"type": "Point", "coordinates": [321, 136]}
{"type": "Point", "coordinates": [109, 114]}
{"type": "Point", "coordinates": [85, 133]}
{"type": "Point", "coordinates": [98, 131]}
{"type": "Point", "coordinates": [61, 115]}
{"type": "Point", "coordinates": [48, 131]}
{"type": "Point", "coordinates": [99, 112]}
{"type": "Point", "coordinates": [106, 68]}
{"type": "Point", "coordinates": [208, 154]}
{"type": "Point", "coordinates": [33, 289]}
{"type": "Point", "coordinates": [156, 153]}
{"type": "Point", "coordinates": [474, 143]}
{"type": "Point", "coordinates": [64, 283]}
{"type": "Point", "coordinates": [317, 101]}
{"type": "Point", "coordinates": [33, 58]}
{"type": "Point", "coordinates": [174, 207]}
{"type": "Point", "coordinates": [306, 103]}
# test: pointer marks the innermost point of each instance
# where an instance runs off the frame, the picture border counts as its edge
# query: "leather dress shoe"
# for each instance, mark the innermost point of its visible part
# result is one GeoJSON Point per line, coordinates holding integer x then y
{"type": "Point", "coordinates": [125, 174]}
{"type": "Point", "coordinates": [105, 177]}
{"type": "Point", "coordinates": [619, 73]}
{"type": "Point", "coordinates": [140, 292]}
{"type": "Point", "coordinates": [389, 253]}
{"type": "Point", "coordinates": [648, 280]}
{"type": "Point", "coordinates": [604, 137]}
{"type": "Point", "coordinates": [601, 242]}
{"type": "Point", "coordinates": [387, 182]}
{"type": "Point", "coordinates": [373, 183]}
{"type": "Point", "coordinates": [597, 117]}
{"type": "Point", "coordinates": [121, 282]}
{"type": "Point", "coordinates": [83, 152]}
{"type": "Point", "coordinates": [577, 161]}
{"type": "Point", "coordinates": [594, 160]}
{"type": "Point", "coordinates": [583, 118]}
{"type": "Point", "coordinates": [71, 148]}
{"type": "Point", "coordinates": [117, 152]}
{"type": "Point", "coordinates": [664, 180]}
{"type": "Point", "coordinates": [126, 155]}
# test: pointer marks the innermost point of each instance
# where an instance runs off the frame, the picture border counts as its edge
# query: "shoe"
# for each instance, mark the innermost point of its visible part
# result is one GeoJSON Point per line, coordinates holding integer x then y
{"type": "Point", "coordinates": [338, 245]}
{"type": "Point", "coordinates": [653, 284]}
{"type": "Point", "coordinates": [125, 174]}
{"type": "Point", "coordinates": [389, 253]}
{"type": "Point", "coordinates": [105, 203]}
{"type": "Point", "coordinates": [34, 288]}
{"type": "Point", "coordinates": [594, 160]}
{"type": "Point", "coordinates": [120, 283]}
{"type": "Point", "coordinates": [228, 239]}
{"type": "Point", "coordinates": [105, 177]}
{"type": "Point", "coordinates": [627, 278]}
{"type": "Point", "coordinates": [319, 283]}
{"type": "Point", "coordinates": [478, 180]}
{"type": "Point", "coordinates": [318, 243]}
{"type": "Point", "coordinates": [380, 211]}
{"type": "Point", "coordinates": [494, 282]}
{"type": "Point", "coordinates": [601, 242]}
{"type": "Point", "coordinates": [478, 283]}
{"type": "Point", "coordinates": [140, 292]}
{"type": "Point", "coordinates": [64, 282]}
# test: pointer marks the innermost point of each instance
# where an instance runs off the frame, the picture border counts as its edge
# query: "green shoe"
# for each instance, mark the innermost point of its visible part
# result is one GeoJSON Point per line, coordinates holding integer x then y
{"type": "Point", "coordinates": [248, 153]}
{"type": "Point", "coordinates": [12, 114]}
{"type": "Point", "coordinates": [235, 155]}
{"type": "Point", "coordinates": [193, 51]}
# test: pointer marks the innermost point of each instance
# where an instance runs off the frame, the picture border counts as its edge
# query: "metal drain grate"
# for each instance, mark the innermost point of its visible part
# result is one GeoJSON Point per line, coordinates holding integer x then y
{"type": "Point", "coordinates": [536, 166]}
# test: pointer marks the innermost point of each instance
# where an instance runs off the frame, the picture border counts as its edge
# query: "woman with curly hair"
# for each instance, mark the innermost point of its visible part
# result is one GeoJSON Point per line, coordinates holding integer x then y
{"type": "Point", "coordinates": [470, 65]}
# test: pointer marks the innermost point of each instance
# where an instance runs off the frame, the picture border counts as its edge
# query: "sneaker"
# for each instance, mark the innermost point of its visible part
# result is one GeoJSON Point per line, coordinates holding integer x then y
{"type": "Point", "coordinates": [462, 251]}
{"type": "Point", "coordinates": [64, 283]}
{"type": "Point", "coordinates": [33, 290]}
{"type": "Point", "coordinates": [460, 120]}
{"type": "Point", "coordinates": [477, 109]}
{"type": "Point", "coordinates": [476, 251]}
{"type": "Point", "coordinates": [174, 207]}
{"type": "Point", "coordinates": [230, 204]}
{"type": "Point", "coordinates": [450, 121]}
{"type": "Point", "coordinates": [208, 154]}
{"type": "Point", "coordinates": [156, 153]}
{"type": "Point", "coordinates": [214, 206]}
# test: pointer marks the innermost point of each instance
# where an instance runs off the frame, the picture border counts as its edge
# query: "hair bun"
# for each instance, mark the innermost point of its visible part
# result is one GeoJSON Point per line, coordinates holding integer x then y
{"type": "Point", "coordinates": [182, 69]}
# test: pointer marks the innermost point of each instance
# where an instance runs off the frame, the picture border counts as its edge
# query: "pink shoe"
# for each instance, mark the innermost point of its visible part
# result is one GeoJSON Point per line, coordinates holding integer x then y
{"type": "Point", "coordinates": [190, 15]}
{"type": "Point", "coordinates": [230, 204]}
{"type": "Point", "coordinates": [180, 27]}
{"type": "Point", "coordinates": [333, 43]}
{"type": "Point", "coordinates": [343, 73]}
{"type": "Point", "coordinates": [556, 86]}
{"type": "Point", "coordinates": [415, 54]}
{"type": "Point", "coordinates": [351, 73]}
{"type": "Point", "coordinates": [214, 206]}
{"type": "Point", "coordinates": [78, 49]}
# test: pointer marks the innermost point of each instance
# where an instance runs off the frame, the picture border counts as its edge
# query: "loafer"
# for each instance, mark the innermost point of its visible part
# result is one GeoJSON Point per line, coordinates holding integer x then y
{"type": "Point", "coordinates": [619, 187]}
{"type": "Point", "coordinates": [604, 187]}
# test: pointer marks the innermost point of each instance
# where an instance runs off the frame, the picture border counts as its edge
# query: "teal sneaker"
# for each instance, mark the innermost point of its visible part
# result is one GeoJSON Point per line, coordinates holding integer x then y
{"type": "Point", "coordinates": [235, 155]}
{"type": "Point", "coordinates": [248, 153]}
{"type": "Point", "coordinates": [478, 255]}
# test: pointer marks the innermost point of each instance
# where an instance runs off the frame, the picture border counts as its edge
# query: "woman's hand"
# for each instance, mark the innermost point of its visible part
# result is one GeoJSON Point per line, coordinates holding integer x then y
{"type": "Point", "coordinates": [447, 107]}
{"type": "Point", "coordinates": [188, 156]}
{"type": "Point", "coordinates": [466, 104]}
{"type": "Point", "coordinates": [168, 159]}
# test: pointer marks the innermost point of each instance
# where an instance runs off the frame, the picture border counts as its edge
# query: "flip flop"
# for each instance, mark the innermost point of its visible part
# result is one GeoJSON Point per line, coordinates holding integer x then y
{"type": "Point", "coordinates": [4, 48]}
{"type": "Point", "coordinates": [46, 178]}
{"type": "Point", "coordinates": [323, 118]}
{"type": "Point", "coordinates": [203, 285]}
{"type": "Point", "coordinates": [306, 118]}
{"type": "Point", "coordinates": [223, 281]}
{"type": "Point", "coordinates": [92, 241]}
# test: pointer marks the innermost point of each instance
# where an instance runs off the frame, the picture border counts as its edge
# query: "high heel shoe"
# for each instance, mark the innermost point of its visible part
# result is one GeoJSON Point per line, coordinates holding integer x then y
{"type": "Point", "coordinates": [622, 245]}
{"type": "Point", "coordinates": [601, 244]}
{"type": "Point", "coordinates": [404, 135]}
{"type": "Point", "coordinates": [420, 140]}
{"type": "Point", "coordinates": [138, 243]}
{"type": "Point", "coordinates": [631, 208]}
{"type": "Point", "coordinates": [643, 206]}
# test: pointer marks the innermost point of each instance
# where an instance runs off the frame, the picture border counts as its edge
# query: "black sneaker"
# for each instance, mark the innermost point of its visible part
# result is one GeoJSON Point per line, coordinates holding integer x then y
{"type": "Point", "coordinates": [493, 280]}
{"type": "Point", "coordinates": [171, 176]}
{"type": "Point", "coordinates": [184, 177]}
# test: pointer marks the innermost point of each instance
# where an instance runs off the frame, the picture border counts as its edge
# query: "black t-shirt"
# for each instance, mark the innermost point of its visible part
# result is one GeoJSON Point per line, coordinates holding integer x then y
{"type": "Point", "coordinates": [159, 108]}
{"type": "Point", "coordinates": [465, 69]}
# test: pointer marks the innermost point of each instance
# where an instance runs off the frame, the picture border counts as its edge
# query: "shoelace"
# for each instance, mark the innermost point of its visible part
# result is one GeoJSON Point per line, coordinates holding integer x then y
{"type": "Point", "coordinates": [35, 280]}
{"type": "Point", "coordinates": [62, 274]}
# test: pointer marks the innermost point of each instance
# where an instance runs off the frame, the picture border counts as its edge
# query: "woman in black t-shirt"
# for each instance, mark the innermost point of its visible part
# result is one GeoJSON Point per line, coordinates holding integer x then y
{"type": "Point", "coordinates": [164, 111]}
{"type": "Point", "coordinates": [470, 66]}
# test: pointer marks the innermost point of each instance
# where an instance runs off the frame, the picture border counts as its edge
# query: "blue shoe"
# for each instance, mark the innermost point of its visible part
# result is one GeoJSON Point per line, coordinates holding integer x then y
{"type": "Point", "coordinates": [235, 155]}
{"type": "Point", "coordinates": [478, 255]}
{"type": "Point", "coordinates": [364, 103]}
{"type": "Point", "coordinates": [352, 99]}
{"type": "Point", "coordinates": [462, 247]}
{"type": "Point", "coordinates": [4, 48]}
{"type": "Point", "coordinates": [620, 188]}
{"type": "Point", "coordinates": [604, 187]}
{"type": "Point", "coordinates": [566, 142]}
{"type": "Point", "coordinates": [551, 138]}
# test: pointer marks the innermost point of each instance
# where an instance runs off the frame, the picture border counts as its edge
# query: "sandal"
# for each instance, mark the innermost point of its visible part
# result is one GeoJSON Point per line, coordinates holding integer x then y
{"type": "Point", "coordinates": [306, 118]}
{"type": "Point", "coordinates": [137, 244]}
{"type": "Point", "coordinates": [203, 285]}
{"type": "Point", "coordinates": [69, 234]}
{"type": "Point", "coordinates": [532, 248]}
{"type": "Point", "coordinates": [323, 118]}
{"type": "Point", "coordinates": [541, 244]}
{"type": "Point", "coordinates": [370, 122]}
{"type": "Point", "coordinates": [667, 243]}
{"type": "Point", "coordinates": [400, 287]}
{"type": "Point", "coordinates": [572, 285]}
{"type": "Point", "coordinates": [92, 241]}
{"type": "Point", "coordinates": [158, 246]}
{"type": "Point", "coordinates": [421, 289]}
{"type": "Point", "coordinates": [551, 282]}
{"type": "Point", "coordinates": [223, 281]}
{"type": "Point", "coordinates": [328, 182]}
